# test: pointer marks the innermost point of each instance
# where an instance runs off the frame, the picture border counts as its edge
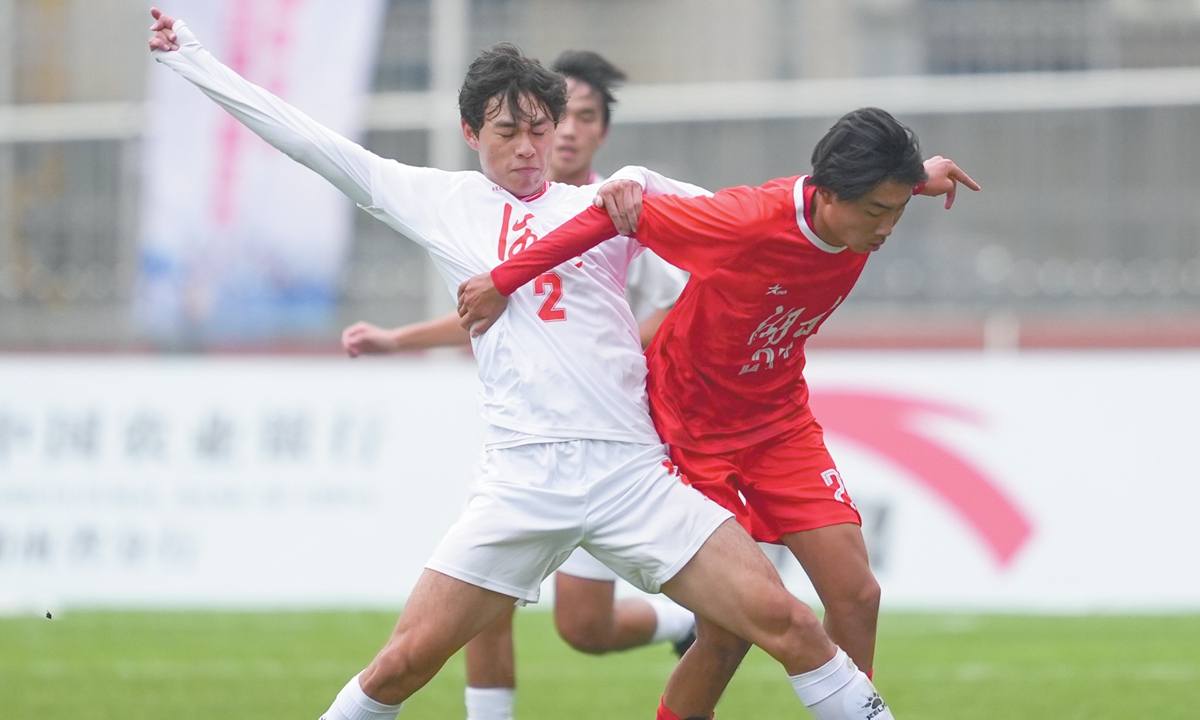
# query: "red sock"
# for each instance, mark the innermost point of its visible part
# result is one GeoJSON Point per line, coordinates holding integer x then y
{"type": "Point", "coordinates": [665, 714]}
{"type": "Point", "coordinates": [871, 674]}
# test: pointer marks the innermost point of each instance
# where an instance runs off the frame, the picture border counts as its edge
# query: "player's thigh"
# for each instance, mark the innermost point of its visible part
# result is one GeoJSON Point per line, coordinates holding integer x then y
{"type": "Point", "coordinates": [835, 559]}
{"type": "Point", "coordinates": [582, 602]}
{"type": "Point", "coordinates": [441, 615]}
{"type": "Point", "coordinates": [732, 583]}
{"type": "Point", "coordinates": [489, 654]}
{"type": "Point", "coordinates": [494, 639]}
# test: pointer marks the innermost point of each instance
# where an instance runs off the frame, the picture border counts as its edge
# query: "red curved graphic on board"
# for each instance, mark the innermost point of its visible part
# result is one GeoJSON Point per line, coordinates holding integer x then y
{"type": "Point", "coordinates": [887, 424]}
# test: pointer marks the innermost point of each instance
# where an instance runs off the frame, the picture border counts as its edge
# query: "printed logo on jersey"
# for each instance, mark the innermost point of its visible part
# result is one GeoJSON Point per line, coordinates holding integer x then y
{"type": "Point", "coordinates": [507, 247]}
{"type": "Point", "coordinates": [776, 290]}
{"type": "Point", "coordinates": [771, 332]}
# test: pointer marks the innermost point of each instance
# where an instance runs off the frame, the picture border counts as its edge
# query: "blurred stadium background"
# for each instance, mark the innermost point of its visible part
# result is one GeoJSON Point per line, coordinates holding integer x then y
{"type": "Point", "coordinates": [1044, 334]}
{"type": "Point", "coordinates": [1082, 123]}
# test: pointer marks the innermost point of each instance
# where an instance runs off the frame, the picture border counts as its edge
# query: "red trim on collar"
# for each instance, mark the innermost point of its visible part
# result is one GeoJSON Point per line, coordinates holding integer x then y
{"type": "Point", "coordinates": [536, 195]}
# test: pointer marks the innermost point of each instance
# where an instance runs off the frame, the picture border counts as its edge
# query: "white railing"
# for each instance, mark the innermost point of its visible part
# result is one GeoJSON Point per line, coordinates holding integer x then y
{"type": "Point", "coordinates": [710, 102]}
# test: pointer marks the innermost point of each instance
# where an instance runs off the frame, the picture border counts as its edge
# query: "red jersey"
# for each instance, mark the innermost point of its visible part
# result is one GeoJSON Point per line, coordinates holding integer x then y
{"type": "Point", "coordinates": [726, 367]}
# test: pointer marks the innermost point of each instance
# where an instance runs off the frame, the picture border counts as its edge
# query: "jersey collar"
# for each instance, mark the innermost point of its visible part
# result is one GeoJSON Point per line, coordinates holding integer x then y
{"type": "Point", "coordinates": [536, 195]}
{"type": "Point", "coordinates": [803, 201]}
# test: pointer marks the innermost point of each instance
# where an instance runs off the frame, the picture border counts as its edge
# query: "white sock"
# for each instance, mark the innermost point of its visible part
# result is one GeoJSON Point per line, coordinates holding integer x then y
{"type": "Point", "coordinates": [490, 703]}
{"type": "Point", "coordinates": [674, 622]}
{"type": "Point", "coordinates": [840, 691]}
{"type": "Point", "coordinates": [353, 704]}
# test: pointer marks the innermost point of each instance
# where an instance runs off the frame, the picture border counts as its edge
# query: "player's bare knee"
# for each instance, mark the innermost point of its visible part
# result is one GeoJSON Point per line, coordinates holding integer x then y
{"type": "Point", "coordinates": [859, 600]}
{"type": "Point", "coordinates": [797, 631]}
{"type": "Point", "coordinates": [779, 613]}
{"type": "Point", "coordinates": [584, 634]}
{"type": "Point", "coordinates": [401, 663]}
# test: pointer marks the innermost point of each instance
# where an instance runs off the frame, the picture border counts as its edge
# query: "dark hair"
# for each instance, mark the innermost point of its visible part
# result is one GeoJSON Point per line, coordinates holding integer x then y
{"type": "Point", "coordinates": [863, 149]}
{"type": "Point", "coordinates": [503, 72]}
{"type": "Point", "coordinates": [591, 68]}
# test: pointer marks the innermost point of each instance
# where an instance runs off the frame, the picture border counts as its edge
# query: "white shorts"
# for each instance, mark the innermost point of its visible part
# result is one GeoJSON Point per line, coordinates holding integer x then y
{"type": "Point", "coordinates": [534, 504]}
{"type": "Point", "coordinates": [581, 564]}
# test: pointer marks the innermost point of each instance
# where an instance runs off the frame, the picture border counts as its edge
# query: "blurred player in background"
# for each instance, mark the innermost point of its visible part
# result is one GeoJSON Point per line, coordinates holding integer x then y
{"type": "Point", "coordinates": [586, 612]}
{"type": "Point", "coordinates": [726, 383]}
{"type": "Point", "coordinates": [572, 458]}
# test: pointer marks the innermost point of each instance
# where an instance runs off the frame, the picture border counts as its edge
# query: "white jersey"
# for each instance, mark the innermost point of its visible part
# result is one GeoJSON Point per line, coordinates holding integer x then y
{"type": "Point", "coordinates": [564, 362]}
{"type": "Point", "coordinates": [651, 284]}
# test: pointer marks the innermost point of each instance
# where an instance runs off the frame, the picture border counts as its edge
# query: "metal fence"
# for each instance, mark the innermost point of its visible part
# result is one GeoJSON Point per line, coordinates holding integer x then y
{"type": "Point", "coordinates": [1086, 212]}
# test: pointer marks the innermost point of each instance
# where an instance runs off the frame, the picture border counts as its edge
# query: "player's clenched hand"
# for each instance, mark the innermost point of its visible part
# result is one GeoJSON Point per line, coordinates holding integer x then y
{"type": "Point", "coordinates": [363, 338]}
{"type": "Point", "coordinates": [944, 177]}
{"type": "Point", "coordinates": [164, 33]}
{"type": "Point", "coordinates": [623, 201]}
{"type": "Point", "coordinates": [480, 304]}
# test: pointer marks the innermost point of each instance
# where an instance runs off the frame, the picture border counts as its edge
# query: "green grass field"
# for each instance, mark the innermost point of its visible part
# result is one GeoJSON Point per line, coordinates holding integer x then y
{"type": "Point", "coordinates": [179, 666]}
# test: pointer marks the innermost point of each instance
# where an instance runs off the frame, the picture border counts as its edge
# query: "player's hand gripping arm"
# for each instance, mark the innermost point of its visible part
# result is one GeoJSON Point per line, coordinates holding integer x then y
{"type": "Point", "coordinates": [363, 338]}
{"type": "Point", "coordinates": [617, 209]}
{"type": "Point", "coordinates": [944, 177]}
{"type": "Point", "coordinates": [483, 298]}
{"type": "Point", "coordinates": [621, 196]}
{"type": "Point", "coordinates": [338, 160]}
{"type": "Point", "coordinates": [618, 204]}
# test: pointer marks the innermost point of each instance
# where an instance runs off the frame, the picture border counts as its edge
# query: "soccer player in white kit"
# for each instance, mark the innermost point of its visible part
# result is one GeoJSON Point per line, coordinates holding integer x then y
{"type": "Point", "coordinates": [586, 612]}
{"type": "Point", "coordinates": [572, 458]}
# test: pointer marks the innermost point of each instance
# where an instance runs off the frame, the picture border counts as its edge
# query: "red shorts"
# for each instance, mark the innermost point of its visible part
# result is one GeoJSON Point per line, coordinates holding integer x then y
{"type": "Point", "coordinates": [782, 485]}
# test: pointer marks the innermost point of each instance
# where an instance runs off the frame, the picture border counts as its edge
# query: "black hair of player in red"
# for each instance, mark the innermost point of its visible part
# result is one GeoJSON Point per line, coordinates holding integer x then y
{"type": "Point", "coordinates": [863, 149]}
{"type": "Point", "coordinates": [591, 68]}
{"type": "Point", "coordinates": [503, 72]}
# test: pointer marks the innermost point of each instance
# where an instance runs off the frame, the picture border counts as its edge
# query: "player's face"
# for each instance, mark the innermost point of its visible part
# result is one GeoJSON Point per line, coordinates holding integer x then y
{"type": "Point", "coordinates": [863, 224]}
{"type": "Point", "coordinates": [514, 153]}
{"type": "Point", "coordinates": [580, 133]}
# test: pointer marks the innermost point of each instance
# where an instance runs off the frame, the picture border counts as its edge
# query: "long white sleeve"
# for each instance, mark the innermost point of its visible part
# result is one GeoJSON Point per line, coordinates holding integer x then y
{"type": "Point", "coordinates": [656, 184]}
{"type": "Point", "coordinates": [343, 163]}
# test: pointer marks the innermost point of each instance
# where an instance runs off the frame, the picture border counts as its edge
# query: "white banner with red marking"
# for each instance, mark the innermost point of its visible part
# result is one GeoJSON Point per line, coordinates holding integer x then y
{"type": "Point", "coordinates": [1046, 482]}
{"type": "Point", "coordinates": [238, 240]}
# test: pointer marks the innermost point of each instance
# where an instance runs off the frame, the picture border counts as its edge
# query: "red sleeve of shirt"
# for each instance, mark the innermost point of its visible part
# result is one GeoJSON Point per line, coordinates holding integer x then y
{"type": "Point", "coordinates": [700, 234]}
{"type": "Point", "coordinates": [697, 234]}
{"type": "Point", "coordinates": [571, 239]}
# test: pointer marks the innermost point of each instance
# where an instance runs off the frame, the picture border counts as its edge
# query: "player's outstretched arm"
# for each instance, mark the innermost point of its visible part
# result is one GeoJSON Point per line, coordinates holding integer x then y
{"type": "Point", "coordinates": [944, 177]}
{"type": "Point", "coordinates": [342, 162]}
{"type": "Point", "coordinates": [363, 338]}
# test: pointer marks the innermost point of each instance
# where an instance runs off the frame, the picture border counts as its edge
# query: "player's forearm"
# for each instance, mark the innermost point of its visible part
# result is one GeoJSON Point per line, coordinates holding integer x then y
{"type": "Point", "coordinates": [440, 332]}
{"type": "Point", "coordinates": [343, 163]}
{"type": "Point", "coordinates": [574, 237]}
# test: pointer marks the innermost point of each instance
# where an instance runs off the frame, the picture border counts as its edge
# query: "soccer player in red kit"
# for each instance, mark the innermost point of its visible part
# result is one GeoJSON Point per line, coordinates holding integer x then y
{"type": "Point", "coordinates": [727, 391]}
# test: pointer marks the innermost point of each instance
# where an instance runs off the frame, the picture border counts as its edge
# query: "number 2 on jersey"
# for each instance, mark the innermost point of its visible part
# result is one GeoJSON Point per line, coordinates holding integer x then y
{"type": "Point", "coordinates": [550, 285]}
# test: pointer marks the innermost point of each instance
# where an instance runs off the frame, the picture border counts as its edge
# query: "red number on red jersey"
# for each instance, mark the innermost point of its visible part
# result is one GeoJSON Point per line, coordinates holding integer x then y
{"type": "Point", "coordinates": [549, 311]}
